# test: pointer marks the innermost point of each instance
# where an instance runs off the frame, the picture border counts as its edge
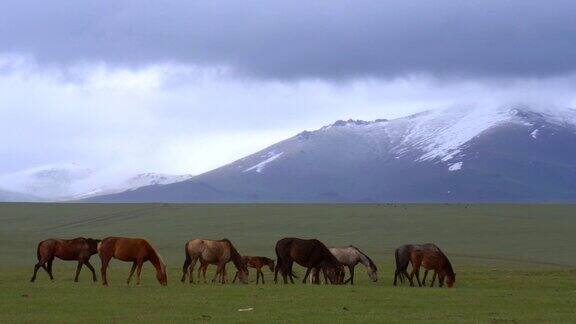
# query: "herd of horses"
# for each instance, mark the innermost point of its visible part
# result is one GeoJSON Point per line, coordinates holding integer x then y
{"type": "Point", "coordinates": [311, 254]}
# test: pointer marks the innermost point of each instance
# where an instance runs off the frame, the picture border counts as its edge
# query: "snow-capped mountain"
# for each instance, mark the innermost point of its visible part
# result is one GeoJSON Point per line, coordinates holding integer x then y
{"type": "Point", "coordinates": [50, 182]}
{"type": "Point", "coordinates": [517, 153]}
{"type": "Point", "coordinates": [69, 181]}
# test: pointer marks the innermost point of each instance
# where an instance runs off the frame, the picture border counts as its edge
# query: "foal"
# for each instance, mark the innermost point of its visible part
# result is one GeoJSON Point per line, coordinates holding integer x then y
{"type": "Point", "coordinates": [257, 262]}
{"type": "Point", "coordinates": [80, 249]}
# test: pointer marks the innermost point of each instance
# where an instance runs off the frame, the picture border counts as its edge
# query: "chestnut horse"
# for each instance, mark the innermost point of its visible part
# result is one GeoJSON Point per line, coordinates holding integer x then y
{"type": "Point", "coordinates": [432, 258]}
{"type": "Point", "coordinates": [311, 254]}
{"type": "Point", "coordinates": [218, 252]}
{"type": "Point", "coordinates": [135, 250]}
{"type": "Point", "coordinates": [80, 249]}
{"type": "Point", "coordinates": [257, 262]}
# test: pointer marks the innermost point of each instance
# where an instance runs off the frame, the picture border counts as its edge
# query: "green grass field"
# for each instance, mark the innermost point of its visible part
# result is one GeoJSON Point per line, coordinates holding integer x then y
{"type": "Point", "coordinates": [513, 263]}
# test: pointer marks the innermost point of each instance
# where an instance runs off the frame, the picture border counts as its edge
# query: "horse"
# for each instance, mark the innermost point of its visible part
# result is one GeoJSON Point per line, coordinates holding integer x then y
{"type": "Point", "coordinates": [80, 249]}
{"type": "Point", "coordinates": [402, 255]}
{"type": "Point", "coordinates": [135, 250]}
{"type": "Point", "coordinates": [311, 254]}
{"type": "Point", "coordinates": [432, 258]}
{"type": "Point", "coordinates": [350, 256]}
{"type": "Point", "coordinates": [218, 252]}
{"type": "Point", "coordinates": [257, 262]}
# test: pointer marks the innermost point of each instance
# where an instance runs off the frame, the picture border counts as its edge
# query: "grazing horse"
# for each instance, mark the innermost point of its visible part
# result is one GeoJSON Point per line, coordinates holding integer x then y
{"type": "Point", "coordinates": [311, 254]}
{"type": "Point", "coordinates": [135, 250]}
{"type": "Point", "coordinates": [215, 252]}
{"type": "Point", "coordinates": [257, 262]}
{"type": "Point", "coordinates": [432, 258]}
{"type": "Point", "coordinates": [402, 255]}
{"type": "Point", "coordinates": [80, 249]}
{"type": "Point", "coordinates": [350, 256]}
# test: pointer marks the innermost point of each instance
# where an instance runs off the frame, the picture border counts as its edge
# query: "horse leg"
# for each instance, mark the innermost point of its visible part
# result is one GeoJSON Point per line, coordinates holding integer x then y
{"type": "Point", "coordinates": [424, 279]}
{"type": "Point", "coordinates": [433, 279]}
{"type": "Point", "coordinates": [218, 270]}
{"type": "Point", "coordinates": [138, 271]}
{"type": "Point", "coordinates": [396, 278]}
{"type": "Point", "coordinates": [306, 275]}
{"type": "Point", "coordinates": [235, 276]}
{"type": "Point", "coordinates": [87, 263]}
{"type": "Point", "coordinates": [290, 264]}
{"type": "Point", "coordinates": [185, 267]}
{"type": "Point", "coordinates": [407, 276]}
{"type": "Point", "coordinates": [40, 264]}
{"type": "Point", "coordinates": [191, 270]}
{"type": "Point", "coordinates": [351, 279]}
{"type": "Point", "coordinates": [418, 277]}
{"type": "Point", "coordinates": [131, 272]}
{"type": "Point", "coordinates": [48, 268]}
{"type": "Point", "coordinates": [204, 272]}
{"type": "Point", "coordinates": [78, 268]}
{"type": "Point", "coordinates": [105, 260]}
{"type": "Point", "coordinates": [261, 275]}
{"type": "Point", "coordinates": [224, 274]}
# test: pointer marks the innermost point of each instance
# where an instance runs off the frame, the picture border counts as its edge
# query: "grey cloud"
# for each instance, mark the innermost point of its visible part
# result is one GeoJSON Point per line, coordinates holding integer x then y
{"type": "Point", "coordinates": [303, 39]}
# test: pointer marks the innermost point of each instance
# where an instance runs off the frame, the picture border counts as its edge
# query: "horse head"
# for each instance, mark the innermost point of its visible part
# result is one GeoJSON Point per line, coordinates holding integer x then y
{"type": "Point", "coordinates": [373, 272]}
{"type": "Point", "coordinates": [450, 280]}
{"type": "Point", "coordinates": [271, 265]}
{"type": "Point", "coordinates": [93, 245]}
{"type": "Point", "coordinates": [161, 275]}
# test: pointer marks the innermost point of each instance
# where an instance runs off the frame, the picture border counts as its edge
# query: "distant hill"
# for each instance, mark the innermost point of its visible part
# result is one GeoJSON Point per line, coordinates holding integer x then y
{"type": "Point", "coordinates": [10, 196]}
{"type": "Point", "coordinates": [505, 154]}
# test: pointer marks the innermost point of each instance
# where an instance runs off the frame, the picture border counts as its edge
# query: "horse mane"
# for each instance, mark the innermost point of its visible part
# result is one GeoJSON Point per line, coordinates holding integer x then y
{"type": "Point", "coordinates": [162, 264]}
{"type": "Point", "coordinates": [449, 269]}
{"type": "Point", "coordinates": [372, 264]}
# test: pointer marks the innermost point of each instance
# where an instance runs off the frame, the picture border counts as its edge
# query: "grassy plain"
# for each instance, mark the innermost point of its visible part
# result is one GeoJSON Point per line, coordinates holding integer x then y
{"type": "Point", "coordinates": [513, 263]}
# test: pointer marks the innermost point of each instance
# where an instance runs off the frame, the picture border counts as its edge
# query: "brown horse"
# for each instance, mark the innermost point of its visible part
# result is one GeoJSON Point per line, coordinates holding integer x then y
{"type": "Point", "coordinates": [135, 250]}
{"type": "Point", "coordinates": [218, 252]}
{"type": "Point", "coordinates": [257, 262]}
{"type": "Point", "coordinates": [432, 258]}
{"type": "Point", "coordinates": [80, 249]}
{"type": "Point", "coordinates": [311, 254]}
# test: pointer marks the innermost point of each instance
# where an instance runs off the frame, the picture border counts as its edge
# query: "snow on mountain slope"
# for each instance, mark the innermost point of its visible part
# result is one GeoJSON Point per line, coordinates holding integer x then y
{"type": "Point", "coordinates": [435, 135]}
{"type": "Point", "coordinates": [511, 153]}
{"type": "Point", "coordinates": [69, 181]}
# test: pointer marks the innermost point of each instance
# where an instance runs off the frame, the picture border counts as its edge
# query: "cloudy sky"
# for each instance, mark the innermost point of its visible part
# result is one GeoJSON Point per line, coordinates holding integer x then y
{"type": "Point", "coordinates": [186, 86]}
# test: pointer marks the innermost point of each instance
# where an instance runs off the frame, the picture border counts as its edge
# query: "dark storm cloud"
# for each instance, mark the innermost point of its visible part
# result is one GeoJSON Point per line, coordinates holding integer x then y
{"type": "Point", "coordinates": [300, 39]}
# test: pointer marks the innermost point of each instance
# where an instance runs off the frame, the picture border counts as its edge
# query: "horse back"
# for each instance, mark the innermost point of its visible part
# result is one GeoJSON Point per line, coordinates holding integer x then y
{"type": "Point", "coordinates": [125, 249]}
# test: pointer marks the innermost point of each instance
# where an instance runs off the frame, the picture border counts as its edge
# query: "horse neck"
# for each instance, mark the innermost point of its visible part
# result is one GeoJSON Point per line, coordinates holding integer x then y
{"type": "Point", "coordinates": [156, 260]}
{"type": "Point", "coordinates": [236, 258]}
{"type": "Point", "coordinates": [363, 258]}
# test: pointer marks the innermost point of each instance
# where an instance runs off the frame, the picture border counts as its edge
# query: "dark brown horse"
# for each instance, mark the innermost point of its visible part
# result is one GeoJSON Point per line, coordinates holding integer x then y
{"type": "Point", "coordinates": [311, 254]}
{"type": "Point", "coordinates": [135, 250]}
{"type": "Point", "coordinates": [257, 262]}
{"type": "Point", "coordinates": [432, 258]}
{"type": "Point", "coordinates": [79, 249]}
{"type": "Point", "coordinates": [402, 255]}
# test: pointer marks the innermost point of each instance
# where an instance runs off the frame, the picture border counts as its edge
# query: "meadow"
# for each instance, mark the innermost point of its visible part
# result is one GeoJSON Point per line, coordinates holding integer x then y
{"type": "Point", "coordinates": [513, 263]}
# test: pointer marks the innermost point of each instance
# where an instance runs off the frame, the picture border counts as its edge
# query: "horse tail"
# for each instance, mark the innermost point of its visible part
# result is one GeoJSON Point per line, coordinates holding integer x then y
{"type": "Point", "coordinates": [188, 258]}
{"type": "Point", "coordinates": [398, 266]}
{"type": "Point", "coordinates": [38, 252]}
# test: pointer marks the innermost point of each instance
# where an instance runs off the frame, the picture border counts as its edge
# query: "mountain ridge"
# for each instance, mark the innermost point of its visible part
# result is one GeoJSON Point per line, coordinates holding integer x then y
{"type": "Point", "coordinates": [433, 156]}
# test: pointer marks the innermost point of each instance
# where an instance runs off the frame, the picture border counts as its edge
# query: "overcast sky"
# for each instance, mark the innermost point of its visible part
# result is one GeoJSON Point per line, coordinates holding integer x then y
{"type": "Point", "coordinates": [184, 87]}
